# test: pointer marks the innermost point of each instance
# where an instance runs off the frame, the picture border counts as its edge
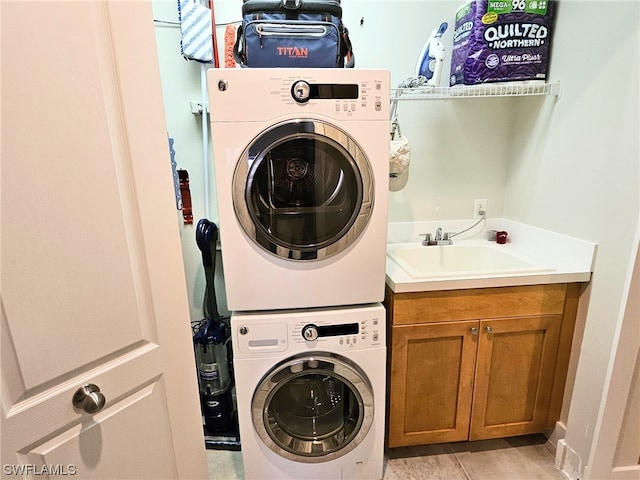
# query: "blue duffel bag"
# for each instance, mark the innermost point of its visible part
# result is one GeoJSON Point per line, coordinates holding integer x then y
{"type": "Point", "coordinates": [293, 33]}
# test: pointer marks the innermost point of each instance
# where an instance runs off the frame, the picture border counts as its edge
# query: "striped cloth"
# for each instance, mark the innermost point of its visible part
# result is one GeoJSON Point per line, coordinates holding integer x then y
{"type": "Point", "coordinates": [195, 26]}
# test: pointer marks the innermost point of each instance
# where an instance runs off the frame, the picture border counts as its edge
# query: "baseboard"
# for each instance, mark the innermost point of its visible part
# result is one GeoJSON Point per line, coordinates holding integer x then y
{"type": "Point", "coordinates": [554, 436]}
{"type": "Point", "coordinates": [568, 461]}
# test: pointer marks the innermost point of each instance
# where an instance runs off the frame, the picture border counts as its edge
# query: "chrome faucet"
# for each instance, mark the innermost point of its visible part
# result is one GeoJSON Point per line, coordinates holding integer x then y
{"type": "Point", "coordinates": [446, 239]}
{"type": "Point", "coordinates": [440, 238]}
{"type": "Point", "coordinates": [427, 239]}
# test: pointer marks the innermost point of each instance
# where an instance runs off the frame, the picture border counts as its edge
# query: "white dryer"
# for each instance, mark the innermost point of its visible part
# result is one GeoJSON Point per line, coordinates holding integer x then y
{"type": "Point", "coordinates": [302, 168]}
{"type": "Point", "coordinates": [310, 386]}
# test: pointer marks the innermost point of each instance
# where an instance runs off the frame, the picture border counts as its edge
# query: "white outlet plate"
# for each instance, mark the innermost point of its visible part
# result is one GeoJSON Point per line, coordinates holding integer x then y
{"type": "Point", "coordinates": [480, 206]}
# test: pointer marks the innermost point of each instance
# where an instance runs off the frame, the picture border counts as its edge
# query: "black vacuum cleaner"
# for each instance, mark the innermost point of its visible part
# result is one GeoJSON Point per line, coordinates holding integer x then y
{"type": "Point", "coordinates": [212, 346]}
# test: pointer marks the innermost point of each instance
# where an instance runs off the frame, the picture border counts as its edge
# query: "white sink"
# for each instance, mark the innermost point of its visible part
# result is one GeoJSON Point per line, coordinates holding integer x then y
{"type": "Point", "coordinates": [460, 260]}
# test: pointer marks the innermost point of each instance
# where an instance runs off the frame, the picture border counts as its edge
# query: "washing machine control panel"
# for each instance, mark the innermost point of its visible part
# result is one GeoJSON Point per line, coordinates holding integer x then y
{"type": "Point", "coordinates": [312, 332]}
{"type": "Point", "coordinates": [346, 335]}
{"type": "Point", "coordinates": [339, 330]}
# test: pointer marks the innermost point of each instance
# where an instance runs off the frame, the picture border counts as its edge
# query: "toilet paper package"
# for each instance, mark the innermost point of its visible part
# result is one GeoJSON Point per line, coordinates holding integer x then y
{"type": "Point", "coordinates": [501, 41]}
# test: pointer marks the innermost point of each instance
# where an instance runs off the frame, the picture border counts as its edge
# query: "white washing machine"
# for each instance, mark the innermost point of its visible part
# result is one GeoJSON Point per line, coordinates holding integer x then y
{"type": "Point", "coordinates": [302, 173]}
{"type": "Point", "coordinates": [310, 386]}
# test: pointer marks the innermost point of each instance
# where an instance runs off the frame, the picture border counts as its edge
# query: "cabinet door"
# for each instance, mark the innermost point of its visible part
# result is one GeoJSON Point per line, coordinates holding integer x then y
{"type": "Point", "coordinates": [431, 384]}
{"type": "Point", "coordinates": [514, 376]}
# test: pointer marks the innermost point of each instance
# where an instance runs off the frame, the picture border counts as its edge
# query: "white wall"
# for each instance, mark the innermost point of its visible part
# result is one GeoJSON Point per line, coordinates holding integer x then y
{"type": "Point", "coordinates": [568, 165]}
{"type": "Point", "coordinates": [574, 169]}
{"type": "Point", "coordinates": [459, 152]}
{"type": "Point", "coordinates": [181, 84]}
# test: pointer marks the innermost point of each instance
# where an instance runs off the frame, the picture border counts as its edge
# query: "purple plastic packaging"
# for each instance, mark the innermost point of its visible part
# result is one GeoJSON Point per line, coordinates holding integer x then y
{"type": "Point", "coordinates": [501, 41]}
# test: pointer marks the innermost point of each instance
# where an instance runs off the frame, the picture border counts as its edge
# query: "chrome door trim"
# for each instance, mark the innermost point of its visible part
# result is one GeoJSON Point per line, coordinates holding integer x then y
{"type": "Point", "coordinates": [276, 135]}
{"type": "Point", "coordinates": [345, 371]}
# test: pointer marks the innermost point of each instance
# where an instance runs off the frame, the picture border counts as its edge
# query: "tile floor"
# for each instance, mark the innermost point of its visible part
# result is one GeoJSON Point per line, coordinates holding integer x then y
{"type": "Point", "coordinates": [518, 458]}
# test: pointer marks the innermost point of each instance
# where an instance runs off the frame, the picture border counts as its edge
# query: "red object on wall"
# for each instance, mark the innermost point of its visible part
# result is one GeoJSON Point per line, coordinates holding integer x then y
{"type": "Point", "coordinates": [229, 41]}
{"type": "Point", "coordinates": [187, 212]}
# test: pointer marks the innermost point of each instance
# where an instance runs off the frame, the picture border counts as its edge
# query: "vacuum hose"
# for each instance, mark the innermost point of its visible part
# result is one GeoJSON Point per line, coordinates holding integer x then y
{"type": "Point", "coordinates": [207, 238]}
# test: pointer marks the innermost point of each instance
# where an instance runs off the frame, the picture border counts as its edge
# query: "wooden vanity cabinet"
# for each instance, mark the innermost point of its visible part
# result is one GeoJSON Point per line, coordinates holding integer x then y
{"type": "Point", "coordinates": [479, 363]}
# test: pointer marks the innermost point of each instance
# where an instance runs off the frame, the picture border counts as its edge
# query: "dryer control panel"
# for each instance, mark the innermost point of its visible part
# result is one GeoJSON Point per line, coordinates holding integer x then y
{"type": "Point", "coordinates": [347, 97]}
{"type": "Point", "coordinates": [303, 91]}
{"type": "Point", "coordinates": [345, 94]}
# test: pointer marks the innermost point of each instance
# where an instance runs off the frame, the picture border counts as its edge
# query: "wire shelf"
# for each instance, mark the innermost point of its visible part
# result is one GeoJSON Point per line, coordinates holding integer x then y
{"type": "Point", "coordinates": [513, 89]}
{"type": "Point", "coordinates": [477, 91]}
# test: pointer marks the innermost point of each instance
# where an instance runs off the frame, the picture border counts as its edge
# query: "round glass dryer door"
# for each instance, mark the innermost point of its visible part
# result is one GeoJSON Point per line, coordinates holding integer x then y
{"type": "Point", "coordinates": [313, 408]}
{"type": "Point", "coordinates": [303, 190]}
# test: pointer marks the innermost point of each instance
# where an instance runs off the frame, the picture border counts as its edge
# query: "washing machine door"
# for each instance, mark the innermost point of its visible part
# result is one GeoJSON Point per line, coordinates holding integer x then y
{"type": "Point", "coordinates": [313, 407]}
{"type": "Point", "coordinates": [303, 190]}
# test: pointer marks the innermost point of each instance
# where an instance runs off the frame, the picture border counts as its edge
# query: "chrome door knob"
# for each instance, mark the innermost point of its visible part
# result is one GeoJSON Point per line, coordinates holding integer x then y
{"type": "Point", "coordinates": [89, 398]}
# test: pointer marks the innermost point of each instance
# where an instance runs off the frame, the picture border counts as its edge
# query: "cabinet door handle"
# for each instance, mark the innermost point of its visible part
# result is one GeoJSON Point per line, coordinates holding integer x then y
{"type": "Point", "coordinates": [474, 330]}
{"type": "Point", "coordinates": [489, 330]}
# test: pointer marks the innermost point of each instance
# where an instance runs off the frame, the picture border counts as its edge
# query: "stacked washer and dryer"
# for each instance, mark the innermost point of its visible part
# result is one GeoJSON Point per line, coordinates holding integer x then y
{"type": "Point", "coordinates": [301, 165]}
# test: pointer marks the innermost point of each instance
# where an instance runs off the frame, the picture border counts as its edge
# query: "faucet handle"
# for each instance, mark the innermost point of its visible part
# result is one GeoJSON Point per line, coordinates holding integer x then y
{"type": "Point", "coordinates": [446, 238]}
{"type": "Point", "coordinates": [427, 238]}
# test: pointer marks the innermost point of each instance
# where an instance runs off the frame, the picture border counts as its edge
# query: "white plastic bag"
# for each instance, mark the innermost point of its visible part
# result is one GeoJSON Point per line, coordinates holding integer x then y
{"type": "Point", "coordinates": [399, 159]}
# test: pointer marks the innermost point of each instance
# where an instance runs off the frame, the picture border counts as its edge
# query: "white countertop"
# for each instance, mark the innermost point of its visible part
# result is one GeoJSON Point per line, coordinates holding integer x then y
{"type": "Point", "coordinates": [571, 259]}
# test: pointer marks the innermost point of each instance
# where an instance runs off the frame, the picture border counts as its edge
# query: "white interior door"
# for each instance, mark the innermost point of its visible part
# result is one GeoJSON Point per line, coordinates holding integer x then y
{"type": "Point", "coordinates": [93, 287]}
{"type": "Point", "coordinates": [615, 451]}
